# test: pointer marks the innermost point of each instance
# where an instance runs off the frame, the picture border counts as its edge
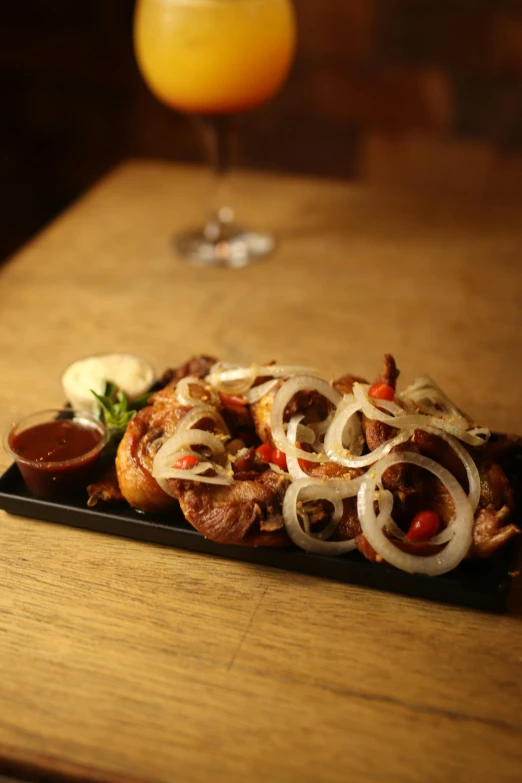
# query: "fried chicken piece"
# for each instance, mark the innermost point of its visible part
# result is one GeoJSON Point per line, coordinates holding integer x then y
{"type": "Point", "coordinates": [389, 376]}
{"type": "Point", "coordinates": [311, 403]}
{"type": "Point", "coordinates": [344, 384]}
{"type": "Point", "coordinates": [314, 406]}
{"type": "Point", "coordinates": [247, 466]}
{"type": "Point", "coordinates": [367, 550]}
{"type": "Point", "coordinates": [376, 432]}
{"type": "Point", "coordinates": [331, 470]}
{"type": "Point", "coordinates": [490, 531]}
{"type": "Point", "coordinates": [349, 525]}
{"type": "Point", "coordinates": [399, 478]}
{"type": "Point", "coordinates": [106, 489]}
{"type": "Point", "coordinates": [199, 366]}
{"type": "Point", "coordinates": [440, 451]}
{"type": "Point", "coordinates": [247, 512]}
{"type": "Point", "coordinates": [237, 416]}
{"type": "Point", "coordinates": [495, 488]}
{"type": "Point", "coordinates": [145, 434]}
{"type": "Point", "coordinates": [261, 411]}
{"type": "Point", "coordinates": [390, 372]}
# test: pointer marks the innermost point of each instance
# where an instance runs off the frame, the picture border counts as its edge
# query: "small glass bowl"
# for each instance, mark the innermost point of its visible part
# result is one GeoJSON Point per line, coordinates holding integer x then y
{"type": "Point", "coordinates": [55, 480]}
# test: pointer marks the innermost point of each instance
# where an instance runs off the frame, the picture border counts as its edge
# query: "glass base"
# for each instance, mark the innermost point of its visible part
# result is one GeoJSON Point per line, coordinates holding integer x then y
{"type": "Point", "coordinates": [234, 247]}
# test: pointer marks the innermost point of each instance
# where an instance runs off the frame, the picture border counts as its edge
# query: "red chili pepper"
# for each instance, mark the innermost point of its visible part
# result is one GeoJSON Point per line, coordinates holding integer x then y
{"type": "Point", "coordinates": [425, 524]}
{"type": "Point", "coordinates": [265, 452]}
{"type": "Point", "coordinates": [233, 400]}
{"type": "Point", "coordinates": [381, 391]}
{"type": "Point", "coordinates": [279, 459]}
{"type": "Point", "coordinates": [305, 464]}
{"type": "Point", "coordinates": [184, 463]}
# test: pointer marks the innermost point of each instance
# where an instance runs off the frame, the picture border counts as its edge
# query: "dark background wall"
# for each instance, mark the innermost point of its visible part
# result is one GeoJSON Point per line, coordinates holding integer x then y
{"type": "Point", "coordinates": [416, 93]}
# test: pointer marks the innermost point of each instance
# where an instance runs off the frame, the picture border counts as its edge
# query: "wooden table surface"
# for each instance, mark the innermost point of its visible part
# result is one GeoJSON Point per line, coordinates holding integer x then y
{"type": "Point", "coordinates": [121, 661]}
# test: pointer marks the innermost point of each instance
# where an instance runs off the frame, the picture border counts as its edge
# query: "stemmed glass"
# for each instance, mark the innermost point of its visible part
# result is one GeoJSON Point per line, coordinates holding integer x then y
{"type": "Point", "coordinates": [213, 59]}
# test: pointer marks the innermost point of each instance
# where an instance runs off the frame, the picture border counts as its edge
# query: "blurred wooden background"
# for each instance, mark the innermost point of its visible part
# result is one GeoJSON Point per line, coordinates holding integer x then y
{"type": "Point", "coordinates": [403, 93]}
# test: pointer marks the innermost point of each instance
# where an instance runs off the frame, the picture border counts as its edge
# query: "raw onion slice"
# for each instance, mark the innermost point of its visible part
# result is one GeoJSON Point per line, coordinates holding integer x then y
{"type": "Point", "coordinates": [231, 378]}
{"type": "Point", "coordinates": [308, 489]}
{"type": "Point", "coordinates": [461, 525]}
{"type": "Point", "coordinates": [345, 433]}
{"type": "Point", "coordinates": [342, 457]}
{"type": "Point", "coordinates": [201, 466]}
{"type": "Point", "coordinates": [222, 478]}
{"type": "Point", "coordinates": [412, 421]}
{"type": "Point", "coordinates": [388, 405]}
{"type": "Point", "coordinates": [163, 469]}
{"type": "Point", "coordinates": [431, 399]}
{"type": "Point", "coordinates": [320, 428]}
{"type": "Point", "coordinates": [255, 394]}
{"type": "Point", "coordinates": [481, 432]}
{"type": "Point", "coordinates": [283, 396]}
{"type": "Point", "coordinates": [467, 460]}
{"type": "Point", "coordinates": [305, 436]}
{"type": "Point", "coordinates": [181, 445]}
{"type": "Point", "coordinates": [186, 395]}
{"type": "Point", "coordinates": [286, 370]}
{"type": "Point", "coordinates": [184, 439]}
{"type": "Point", "coordinates": [198, 414]}
{"type": "Point", "coordinates": [236, 379]}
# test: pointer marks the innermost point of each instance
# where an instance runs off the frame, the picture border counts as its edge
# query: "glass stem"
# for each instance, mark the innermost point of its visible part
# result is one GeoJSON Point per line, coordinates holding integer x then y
{"type": "Point", "coordinates": [219, 134]}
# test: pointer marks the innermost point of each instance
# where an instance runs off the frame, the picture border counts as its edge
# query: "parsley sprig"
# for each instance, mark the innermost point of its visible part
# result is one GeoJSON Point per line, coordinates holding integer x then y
{"type": "Point", "coordinates": [115, 410]}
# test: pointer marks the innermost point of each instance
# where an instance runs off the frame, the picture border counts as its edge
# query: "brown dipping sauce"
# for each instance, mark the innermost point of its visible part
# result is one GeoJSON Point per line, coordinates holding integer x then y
{"type": "Point", "coordinates": [57, 458]}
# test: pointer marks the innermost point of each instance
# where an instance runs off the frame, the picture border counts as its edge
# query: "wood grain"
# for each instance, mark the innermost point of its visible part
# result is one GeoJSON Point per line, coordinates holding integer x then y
{"type": "Point", "coordinates": [126, 661]}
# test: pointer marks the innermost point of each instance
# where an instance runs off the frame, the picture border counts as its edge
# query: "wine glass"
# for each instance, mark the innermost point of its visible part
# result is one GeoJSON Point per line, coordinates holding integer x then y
{"type": "Point", "coordinates": [213, 59]}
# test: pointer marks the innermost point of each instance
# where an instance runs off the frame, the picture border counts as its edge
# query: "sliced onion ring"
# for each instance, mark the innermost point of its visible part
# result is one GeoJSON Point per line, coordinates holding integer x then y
{"type": "Point", "coordinates": [184, 439]}
{"type": "Point", "coordinates": [342, 458]}
{"type": "Point", "coordinates": [283, 396]}
{"type": "Point", "coordinates": [255, 394]}
{"type": "Point", "coordinates": [315, 489]}
{"type": "Point", "coordinates": [186, 396]}
{"type": "Point", "coordinates": [168, 455]}
{"type": "Point", "coordinates": [372, 526]}
{"type": "Point", "coordinates": [200, 412]}
{"type": "Point", "coordinates": [237, 379]}
{"type": "Point", "coordinates": [294, 468]}
{"type": "Point", "coordinates": [231, 378]}
{"type": "Point", "coordinates": [345, 431]}
{"type": "Point", "coordinates": [320, 428]}
{"type": "Point", "coordinates": [427, 394]}
{"type": "Point", "coordinates": [412, 421]}
{"type": "Point", "coordinates": [186, 475]}
{"type": "Point", "coordinates": [182, 444]}
{"type": "Point", "coordinates": [467, 460]}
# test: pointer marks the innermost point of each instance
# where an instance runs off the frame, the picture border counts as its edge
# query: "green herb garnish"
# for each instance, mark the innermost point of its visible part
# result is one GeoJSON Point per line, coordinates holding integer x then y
{"type": "Point", "coordinates": [115, 411]}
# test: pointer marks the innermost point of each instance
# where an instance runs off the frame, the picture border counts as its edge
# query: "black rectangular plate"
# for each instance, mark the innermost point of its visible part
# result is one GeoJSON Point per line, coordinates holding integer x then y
{"type": "Point", "coordinates": [478, 584]}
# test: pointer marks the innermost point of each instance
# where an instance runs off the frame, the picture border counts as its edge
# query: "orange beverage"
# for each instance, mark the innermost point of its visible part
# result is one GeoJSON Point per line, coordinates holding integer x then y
{"type": "Point", "coordinates": [214, 56]}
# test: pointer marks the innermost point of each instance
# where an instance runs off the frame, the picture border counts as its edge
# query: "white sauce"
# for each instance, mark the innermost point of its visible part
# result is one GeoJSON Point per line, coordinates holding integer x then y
{"type": "Point", "coordinates": [132, 374]}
